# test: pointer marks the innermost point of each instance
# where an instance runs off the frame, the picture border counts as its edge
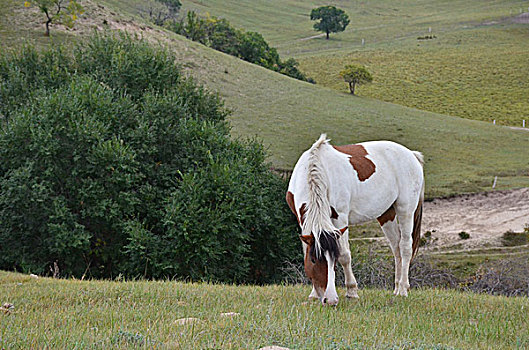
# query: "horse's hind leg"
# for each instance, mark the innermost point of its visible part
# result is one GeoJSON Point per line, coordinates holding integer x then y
{"type": "Point", "coordinates": [392, 233]}
{"type": "Point", "coordinates": [406, 228]}
{"type": "Point", "coordinates": [345, 260]}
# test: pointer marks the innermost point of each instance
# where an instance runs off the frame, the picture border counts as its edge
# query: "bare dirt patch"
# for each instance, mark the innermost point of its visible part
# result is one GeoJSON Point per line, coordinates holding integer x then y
{"type": "Point", "coordinates": [95, 17]}
{"type": "Point", "coordinates": [484, 216]}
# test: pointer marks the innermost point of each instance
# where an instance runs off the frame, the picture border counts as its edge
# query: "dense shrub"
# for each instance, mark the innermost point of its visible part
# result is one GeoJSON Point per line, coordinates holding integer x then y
{"type": "Point", "coordinates": [223, 37]}
{"type": "Point", "coordinates": [113, 163]}
{"type": "Point", "coordinates": [503, 277]}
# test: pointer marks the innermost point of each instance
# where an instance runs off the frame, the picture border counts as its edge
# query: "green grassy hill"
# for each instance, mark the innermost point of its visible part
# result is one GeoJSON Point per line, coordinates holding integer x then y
{"type": "Point", "coordinates": [284, 23]}
{"type": "Point", "coordinates": [475, 68]}
{"type": "Point", "coordinates": [288, 115]}
{"type": "Point", "coordinates": [77, 314]}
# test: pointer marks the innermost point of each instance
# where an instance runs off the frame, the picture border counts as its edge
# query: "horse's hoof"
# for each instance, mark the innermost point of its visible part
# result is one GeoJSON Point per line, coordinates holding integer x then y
{"type": "Point", "coordinates": [351, 291]}
{"type": "Point", "coordinates": [352, 295]}
{"type": "Point", "coordinates": [403, 292]}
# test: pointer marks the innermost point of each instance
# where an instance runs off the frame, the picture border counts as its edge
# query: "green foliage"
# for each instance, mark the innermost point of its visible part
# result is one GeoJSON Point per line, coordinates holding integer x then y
{"type": "Point", "coordinates": [167, 10]}
{"type": "Point", "coordinates": [464, 235]}
{"type": "Point", "coordinates": [290, 68]}
{"type": "Point", "coordinates": [194, 28]}
{"type": "Point", "coordinates": [511, 238]}
{"type": "Point", "coordinates": [249, 46]}
{"type": "Point", "coordinates": [332, 20]}
{"type": "Point", "coordinates": [223, 37]}
{"type": "Point", "coordinates": [355, 75]}
{"type": "Point", "coordinates": [253, 48]}
{"type": "Point", "coordinates": [172, 5]}
{"type": "Point", "coordinates": [113, 163]}
{"type": "Point", "coordinates": [58, 11]}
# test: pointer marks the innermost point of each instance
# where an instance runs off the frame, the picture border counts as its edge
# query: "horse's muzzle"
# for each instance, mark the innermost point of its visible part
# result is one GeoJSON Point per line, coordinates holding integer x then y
{"type": "Point", "coordinates": [329, 302]}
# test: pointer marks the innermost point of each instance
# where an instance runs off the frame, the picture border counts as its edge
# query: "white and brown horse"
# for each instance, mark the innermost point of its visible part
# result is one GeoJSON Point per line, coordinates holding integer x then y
{"type": "Point", "coordinates": [333, 187]}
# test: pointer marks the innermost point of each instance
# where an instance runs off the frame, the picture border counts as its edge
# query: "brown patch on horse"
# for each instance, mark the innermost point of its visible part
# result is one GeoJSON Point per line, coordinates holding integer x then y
{"type": "Point", "coordinates": [291, 205]}
{"type": "Point", "coordinates": [334, 214]}
{"type": "Point", "coordinates": [302, 212]}
{"type": "Point", "coordinates": [316, 269]}
{"type": "Point", "coordinates": [416, 234]}
{"type": "Point", "coordinates": [290, 202]}
{"type": "Point", "coordinates": [307, 239]}
{"type": "Point", "coordinates": [364, 167]}
{"type": "Point", "coordinates": [342, 230]}
{"type": "Point", "coordinates": [389, 215]}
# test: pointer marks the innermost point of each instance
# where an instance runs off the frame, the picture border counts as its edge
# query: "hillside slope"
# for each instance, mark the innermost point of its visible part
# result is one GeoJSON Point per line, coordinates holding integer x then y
{"type": "Point", "coordinates": [473, 64]}
{"type": "Point", "coordinates": [288, 115]}
{"type": "Point", "coordinates": [287, 24]}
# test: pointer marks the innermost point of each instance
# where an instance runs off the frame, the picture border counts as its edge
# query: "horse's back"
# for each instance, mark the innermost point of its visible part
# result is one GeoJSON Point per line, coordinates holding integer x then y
{"type": "Point", "coordinates": [365, 178]}
{"type": "Point", "coordinates": [395, 176]}
{"type": "Point", "coordinates": [393, 153]}
{"type": "Point", "coordinates": [400, 166]}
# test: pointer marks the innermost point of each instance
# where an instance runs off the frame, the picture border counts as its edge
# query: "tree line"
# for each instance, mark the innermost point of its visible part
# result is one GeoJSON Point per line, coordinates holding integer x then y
{"type": "Point", "coordinates": [249, 46]}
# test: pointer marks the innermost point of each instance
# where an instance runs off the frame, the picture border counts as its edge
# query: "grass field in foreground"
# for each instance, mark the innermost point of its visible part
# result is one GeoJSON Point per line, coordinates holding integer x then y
{"type": "Point", "coordinates": [100, 314]}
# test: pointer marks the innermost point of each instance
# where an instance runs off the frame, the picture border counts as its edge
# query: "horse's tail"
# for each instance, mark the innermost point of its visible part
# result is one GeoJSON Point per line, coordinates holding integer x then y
{"type": "Point", "coordinates": [318, 214]}
{"type": "Point", "coordinates": [416, 234]}
{"type": "Point", "coordinates": [417, 218]}
{"type": "Point", "coordinates": [419, 157]}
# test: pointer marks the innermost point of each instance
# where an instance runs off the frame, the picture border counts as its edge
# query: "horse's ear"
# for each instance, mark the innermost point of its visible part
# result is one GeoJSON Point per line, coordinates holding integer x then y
{"type": "Point", "coordinates": [308, 239]}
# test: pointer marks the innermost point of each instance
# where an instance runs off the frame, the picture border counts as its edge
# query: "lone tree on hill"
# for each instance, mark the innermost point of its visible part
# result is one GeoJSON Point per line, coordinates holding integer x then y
{"type": "Point", "coordinates": [58, 11]}
{"type": "Point", "coordinates": [332, 20]}
{"type": "Point", "coordinates": [355, 75]}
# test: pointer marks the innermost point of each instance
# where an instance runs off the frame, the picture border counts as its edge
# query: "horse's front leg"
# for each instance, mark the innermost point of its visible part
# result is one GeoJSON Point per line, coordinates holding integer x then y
{"type": "Point", "coordinates": [314, 295]}
{"type": "Point", "coordinates": [345, 260]}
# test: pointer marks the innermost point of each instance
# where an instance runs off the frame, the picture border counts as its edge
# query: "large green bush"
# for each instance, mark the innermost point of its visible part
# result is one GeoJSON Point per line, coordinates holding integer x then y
{"type": "Point", "coordinates": [111, 162]}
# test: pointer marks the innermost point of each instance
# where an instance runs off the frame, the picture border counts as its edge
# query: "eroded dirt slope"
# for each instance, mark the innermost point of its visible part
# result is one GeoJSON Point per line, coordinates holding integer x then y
{"type": "Point", "coordinates": [485, 216]}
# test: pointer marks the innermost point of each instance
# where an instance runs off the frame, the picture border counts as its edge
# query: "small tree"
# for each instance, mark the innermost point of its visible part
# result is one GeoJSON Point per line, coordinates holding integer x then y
{"type": "Point", "coordinates": [332, 20]}
{"type": "Point", "coordinates": [195, 28]}
{"type": "Point", "coordinates": [58, 11]}
{"type": "Point", "coordinates": [355, 75]}
{"type": "Point", "coordinates": [168, 10]}
{"type": "Point", "coordinates": [173, 6]}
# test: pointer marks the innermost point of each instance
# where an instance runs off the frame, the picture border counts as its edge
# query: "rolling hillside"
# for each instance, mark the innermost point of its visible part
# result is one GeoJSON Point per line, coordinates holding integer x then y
{"type": "Point", "coordinates": [288, 115]}
{"type": "Point", "coordinates": [462, 155]}
{"type": "Point", "coordinates": [475, 66]}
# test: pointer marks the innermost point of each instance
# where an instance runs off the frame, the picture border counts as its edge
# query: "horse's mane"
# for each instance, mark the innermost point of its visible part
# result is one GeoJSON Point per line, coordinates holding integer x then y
{"type": "Point", "coordinates": [318, 214]}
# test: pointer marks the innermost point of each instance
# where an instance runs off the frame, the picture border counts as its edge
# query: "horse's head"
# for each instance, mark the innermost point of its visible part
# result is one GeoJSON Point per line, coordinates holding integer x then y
{"type": "Point", "coordinates": [319, 266]}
